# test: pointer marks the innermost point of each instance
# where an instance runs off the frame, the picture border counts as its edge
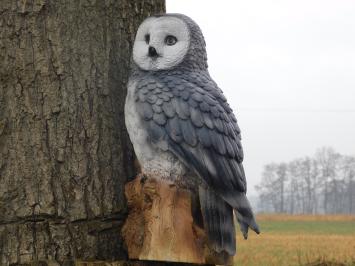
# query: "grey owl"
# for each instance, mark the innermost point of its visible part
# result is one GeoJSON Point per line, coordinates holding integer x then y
{"type": "Point", "coordinates": [182, 127]}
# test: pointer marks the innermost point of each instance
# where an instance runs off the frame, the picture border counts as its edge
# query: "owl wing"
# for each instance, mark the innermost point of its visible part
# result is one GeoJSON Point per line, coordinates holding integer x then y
{"type": "Point", "coordinates": [191, 122]}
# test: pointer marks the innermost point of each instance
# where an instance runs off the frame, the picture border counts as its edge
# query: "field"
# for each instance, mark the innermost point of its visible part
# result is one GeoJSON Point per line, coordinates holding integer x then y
{"type": "Point", "coordinates": [299, 240]}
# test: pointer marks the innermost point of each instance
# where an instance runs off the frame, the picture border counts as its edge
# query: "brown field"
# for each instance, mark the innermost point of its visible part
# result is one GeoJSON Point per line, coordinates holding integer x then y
{"type": "Point", "coordinates": [299, 240]}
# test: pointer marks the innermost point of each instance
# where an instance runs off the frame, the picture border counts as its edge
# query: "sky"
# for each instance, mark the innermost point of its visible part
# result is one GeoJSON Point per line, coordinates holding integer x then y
{"type": "Point", "coordinates": [287, 69]}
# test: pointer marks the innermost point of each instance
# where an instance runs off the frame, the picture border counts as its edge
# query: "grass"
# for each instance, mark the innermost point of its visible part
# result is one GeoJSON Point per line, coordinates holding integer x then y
{"type": "Point", "coordinates": [299, 240]}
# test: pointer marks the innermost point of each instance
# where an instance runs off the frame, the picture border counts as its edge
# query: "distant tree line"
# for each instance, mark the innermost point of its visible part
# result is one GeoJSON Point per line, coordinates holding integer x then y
{"type": "Point", "coordinates": [322, 184]}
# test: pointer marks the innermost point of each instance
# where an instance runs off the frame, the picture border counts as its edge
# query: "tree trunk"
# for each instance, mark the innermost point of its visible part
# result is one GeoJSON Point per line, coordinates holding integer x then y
{"type": "Point", "coordinates": [64, 151]}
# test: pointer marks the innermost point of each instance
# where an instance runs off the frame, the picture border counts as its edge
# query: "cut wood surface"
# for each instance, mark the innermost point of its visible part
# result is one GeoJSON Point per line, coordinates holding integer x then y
{"type": "Point", "coordinates": [160, 225]}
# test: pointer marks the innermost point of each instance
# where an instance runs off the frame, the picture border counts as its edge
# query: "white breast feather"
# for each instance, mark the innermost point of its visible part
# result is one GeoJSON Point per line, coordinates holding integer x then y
{"type": "Point", "coordinates": [151, 158]}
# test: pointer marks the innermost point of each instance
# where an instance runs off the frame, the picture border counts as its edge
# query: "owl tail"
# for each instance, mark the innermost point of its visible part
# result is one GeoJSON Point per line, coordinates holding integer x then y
{"type": "Point", "coordinates": [244, 214]}
{"type": "Point", "coordinates": [218, 221]}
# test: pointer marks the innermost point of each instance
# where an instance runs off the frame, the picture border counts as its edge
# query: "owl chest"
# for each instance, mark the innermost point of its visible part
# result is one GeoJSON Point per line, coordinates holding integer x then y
{"type": "Point", "coordinates": [136, 130]}
{"type": "Point", "coordinates": [150, 156]}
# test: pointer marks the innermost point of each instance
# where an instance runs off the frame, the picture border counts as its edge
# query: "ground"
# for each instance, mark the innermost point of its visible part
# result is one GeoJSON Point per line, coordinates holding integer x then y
{"type": "Point", "coordinates": [299, 240]}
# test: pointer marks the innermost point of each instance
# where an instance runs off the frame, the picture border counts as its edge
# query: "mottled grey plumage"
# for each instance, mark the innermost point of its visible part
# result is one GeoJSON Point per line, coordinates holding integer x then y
{"type": "Point", "coordinates": [185, 116]}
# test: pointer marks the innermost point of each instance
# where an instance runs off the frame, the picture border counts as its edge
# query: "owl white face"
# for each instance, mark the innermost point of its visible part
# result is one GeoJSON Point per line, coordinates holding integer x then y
{"type": "Point", "coordinates": [161, 43]}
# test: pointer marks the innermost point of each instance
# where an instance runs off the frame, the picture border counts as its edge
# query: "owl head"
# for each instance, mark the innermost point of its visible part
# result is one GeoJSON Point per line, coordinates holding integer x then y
{"type": "Point", "coordinates": [166, 41]}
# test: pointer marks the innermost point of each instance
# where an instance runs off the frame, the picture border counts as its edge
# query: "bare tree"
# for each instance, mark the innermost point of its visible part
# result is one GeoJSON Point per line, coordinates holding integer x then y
{"type": "Point", "coordinates": [272, 188]}
{"type": "Point", "coordinates": [351, 185]}
{"type": "Point", "coordinates": [306, 173]}
{"type": "Point", "coordinates": [267, 193]}
{"type": "Point", "coordinates": [322, 184]}
{"type": "Point", "coordinates": [281, 179]}
{"type": "Point", "coordinates": [346, 196]}
{"type": "Point", "coordinates": [327, 159]}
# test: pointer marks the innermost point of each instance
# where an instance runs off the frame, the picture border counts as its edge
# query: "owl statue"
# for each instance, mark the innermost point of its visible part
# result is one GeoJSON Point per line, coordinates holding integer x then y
{"type": "Point", "coordinates": [182, 128]}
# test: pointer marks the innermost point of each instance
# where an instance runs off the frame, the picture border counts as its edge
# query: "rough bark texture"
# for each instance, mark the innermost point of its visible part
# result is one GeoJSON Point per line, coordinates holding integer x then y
{"type": "Point", "coordinates": [162, 224]}
{"type": "Point", "coordinates": [64, 151]}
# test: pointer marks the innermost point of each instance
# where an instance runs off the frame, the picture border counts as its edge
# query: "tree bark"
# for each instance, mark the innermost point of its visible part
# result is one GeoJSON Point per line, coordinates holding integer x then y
{"type": "Point", "coordinates": [64, 151]}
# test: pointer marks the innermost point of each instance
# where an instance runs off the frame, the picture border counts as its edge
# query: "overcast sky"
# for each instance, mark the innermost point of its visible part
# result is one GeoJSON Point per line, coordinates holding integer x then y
{"type": "Point", "coordinates": [287, 69]}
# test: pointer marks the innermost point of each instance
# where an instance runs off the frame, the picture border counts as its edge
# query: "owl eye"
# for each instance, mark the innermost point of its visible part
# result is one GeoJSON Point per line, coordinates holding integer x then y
{"type": "Point", "coordinates": [147, 38]}
{"type": "Point", "coordinates": [170, 40]}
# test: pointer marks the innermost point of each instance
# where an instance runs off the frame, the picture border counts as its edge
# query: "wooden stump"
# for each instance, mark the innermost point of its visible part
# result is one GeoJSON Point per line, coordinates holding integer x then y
{"type": "Point", "coordinates": [160, 225]}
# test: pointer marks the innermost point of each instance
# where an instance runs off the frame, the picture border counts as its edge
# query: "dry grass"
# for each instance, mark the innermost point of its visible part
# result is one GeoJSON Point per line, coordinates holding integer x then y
{"type": "Point", "coordinates": [295, 246]}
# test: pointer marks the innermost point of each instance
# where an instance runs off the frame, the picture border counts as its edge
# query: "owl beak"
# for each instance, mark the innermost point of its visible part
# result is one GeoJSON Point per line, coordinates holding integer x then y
{"type": "Point", "coordinates": [152, 52]}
